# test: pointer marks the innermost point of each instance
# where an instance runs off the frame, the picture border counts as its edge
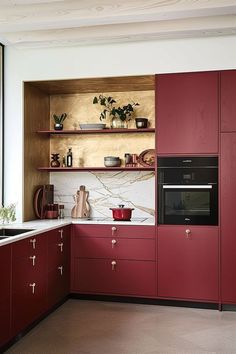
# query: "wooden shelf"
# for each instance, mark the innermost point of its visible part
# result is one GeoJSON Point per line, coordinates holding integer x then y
{"type": "Point", "coordinates": [100, 131]}
{"type": "Point", "coordinates": [87, 169]}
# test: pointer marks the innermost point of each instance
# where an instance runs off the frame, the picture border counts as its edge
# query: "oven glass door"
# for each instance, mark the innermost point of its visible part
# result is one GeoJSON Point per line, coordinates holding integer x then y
{"type": "Point", "coordinates": [188, 204]}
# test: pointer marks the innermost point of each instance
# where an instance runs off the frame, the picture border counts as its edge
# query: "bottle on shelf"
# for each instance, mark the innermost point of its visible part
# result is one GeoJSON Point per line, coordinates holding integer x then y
{"type": "Point", "coordinates": [69, 158]}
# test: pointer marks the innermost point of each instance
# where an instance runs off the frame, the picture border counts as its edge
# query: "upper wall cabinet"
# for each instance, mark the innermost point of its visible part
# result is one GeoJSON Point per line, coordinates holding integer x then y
{"type": "Point", "coordinates": [187, 113]}
{"type": "Point", "coordinates": [228, 101]}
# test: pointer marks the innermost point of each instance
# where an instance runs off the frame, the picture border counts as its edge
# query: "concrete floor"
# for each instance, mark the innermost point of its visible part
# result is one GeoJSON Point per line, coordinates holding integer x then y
{"type": "Point", "coordinates": [91, 327]}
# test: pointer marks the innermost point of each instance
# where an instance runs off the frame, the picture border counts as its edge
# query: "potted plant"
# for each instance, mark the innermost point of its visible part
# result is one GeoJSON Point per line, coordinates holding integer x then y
{"type": "Point", "coordinates": [120, 116]}
{"type": "Point", "coordinates": [58, 121]}
{"type": "Point", "coordinates": [8, 213]}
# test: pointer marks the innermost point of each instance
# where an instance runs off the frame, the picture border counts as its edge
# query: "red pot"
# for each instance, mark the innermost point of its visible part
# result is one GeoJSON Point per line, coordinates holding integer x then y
{"type": "Point", "coordinates": [121, 213]}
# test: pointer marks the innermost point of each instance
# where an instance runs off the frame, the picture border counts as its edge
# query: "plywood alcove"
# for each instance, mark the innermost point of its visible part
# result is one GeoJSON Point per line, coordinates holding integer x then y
{"type": "Point", "coordinates": [75, 96]}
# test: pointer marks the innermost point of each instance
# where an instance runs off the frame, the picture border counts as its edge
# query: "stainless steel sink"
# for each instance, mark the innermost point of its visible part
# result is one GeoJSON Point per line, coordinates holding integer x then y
{"type": "Point", "coordinates": [7, 232]}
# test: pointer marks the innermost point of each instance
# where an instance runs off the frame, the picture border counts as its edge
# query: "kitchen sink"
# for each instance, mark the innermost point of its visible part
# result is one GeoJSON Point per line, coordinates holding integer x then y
{"type": "Point", "coordinates": [5, 232]}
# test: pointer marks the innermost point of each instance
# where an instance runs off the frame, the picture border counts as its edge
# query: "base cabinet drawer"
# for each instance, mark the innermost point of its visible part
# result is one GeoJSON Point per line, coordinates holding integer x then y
{"type": "Point", "coordinates": [118, 277]}
{"type": "Point", "coordinates": [121, 248]}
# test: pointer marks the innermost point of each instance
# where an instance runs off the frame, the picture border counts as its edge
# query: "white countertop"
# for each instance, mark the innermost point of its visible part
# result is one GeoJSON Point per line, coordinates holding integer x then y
{"type": "Point", "coordinates": [40, 226]}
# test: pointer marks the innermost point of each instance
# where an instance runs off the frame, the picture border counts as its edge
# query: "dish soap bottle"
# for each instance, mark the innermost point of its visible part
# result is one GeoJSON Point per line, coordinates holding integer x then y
{"type": "Point", "coordinates": [69, 158]}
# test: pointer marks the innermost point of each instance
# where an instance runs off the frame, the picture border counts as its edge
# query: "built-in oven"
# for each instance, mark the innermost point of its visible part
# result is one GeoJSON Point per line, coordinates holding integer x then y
{"type": "Point", "coordinates": [187, 190]}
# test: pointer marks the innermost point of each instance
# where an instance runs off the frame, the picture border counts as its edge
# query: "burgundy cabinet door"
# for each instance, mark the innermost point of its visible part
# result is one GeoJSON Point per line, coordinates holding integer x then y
{"type": "Point", "coordinates": [118, 277]}
{"type": "Point", "coordinates": [228, 219]}
{"type": "Point", "coordinates": [187, 113]}
{"type": "Point", "coordinates": [5, 293]}
{"type": "Point", "coordinates": [58, 265]}
{"type": "Point", "coordinates": [228, 100]}
{"type": "Point", "coordinates": [29, 283]}
{"type": "Point", "coordinates": [188, 263]}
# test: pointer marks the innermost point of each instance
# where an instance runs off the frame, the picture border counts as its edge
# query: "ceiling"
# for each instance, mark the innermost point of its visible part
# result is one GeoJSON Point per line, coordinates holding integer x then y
{"type": "Point", "coordinates": [50, 23]}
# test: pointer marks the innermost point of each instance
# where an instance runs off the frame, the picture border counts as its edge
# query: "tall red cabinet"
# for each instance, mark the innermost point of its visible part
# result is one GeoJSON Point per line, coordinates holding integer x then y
{"type": "Point", "coordinates": [228, 186]}
{"type": "Point", "coordinates": [187, 113]}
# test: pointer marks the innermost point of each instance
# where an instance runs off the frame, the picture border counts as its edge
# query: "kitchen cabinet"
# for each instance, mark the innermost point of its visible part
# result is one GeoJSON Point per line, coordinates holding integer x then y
{"type": "Point", "coordinates": [187, 113]}
{"type": "Point", "coordinates": [188, 263]}
{"type": "Point", "coordinates": [5, 293]}
{"type": "Point", "coordinates": [115, 260]}
{"type": "Point", "coordinates": [58, 264]}
{"type": "Point", "coordinates": [228, 100]}
{"type": "Point", "coordinates": [228, 220]}
{"type": "Point", "coordinates": [29, 284]}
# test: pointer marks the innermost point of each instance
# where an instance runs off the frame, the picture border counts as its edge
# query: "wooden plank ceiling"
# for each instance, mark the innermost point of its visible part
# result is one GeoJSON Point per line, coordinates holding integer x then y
{"type": "Point", "coordinates": [47, 23]}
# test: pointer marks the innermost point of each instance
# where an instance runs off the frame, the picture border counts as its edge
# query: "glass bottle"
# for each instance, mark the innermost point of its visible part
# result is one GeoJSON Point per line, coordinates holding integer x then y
{"type": "Point", "coordinates": [61, 213]}
{"type": "Point", "coordinates": [69, 158]}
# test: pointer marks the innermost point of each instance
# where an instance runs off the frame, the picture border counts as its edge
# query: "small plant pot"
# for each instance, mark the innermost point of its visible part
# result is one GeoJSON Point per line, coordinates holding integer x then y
{"type": "Point", "coordinates": [58, 126]}
{"type": "Point", "coordinates": [141, 123]}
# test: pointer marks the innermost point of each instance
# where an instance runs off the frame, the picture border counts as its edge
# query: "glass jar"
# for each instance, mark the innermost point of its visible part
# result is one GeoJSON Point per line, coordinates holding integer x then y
{"type": "Point", "coordinates": [117, 123]}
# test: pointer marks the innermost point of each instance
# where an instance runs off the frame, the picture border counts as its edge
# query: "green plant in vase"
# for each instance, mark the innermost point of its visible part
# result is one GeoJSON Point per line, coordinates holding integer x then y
{"type": "Point", "coordinates": [8, 213]}
{"type": "Point", "coordinates": [58, 121]}
{"type": "Point", "coordinates": [119, 116]}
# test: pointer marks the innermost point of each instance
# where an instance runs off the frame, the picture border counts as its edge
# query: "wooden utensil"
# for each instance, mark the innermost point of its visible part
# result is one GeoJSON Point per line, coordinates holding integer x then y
{"type": "Point", "coordinates": [82, 207]}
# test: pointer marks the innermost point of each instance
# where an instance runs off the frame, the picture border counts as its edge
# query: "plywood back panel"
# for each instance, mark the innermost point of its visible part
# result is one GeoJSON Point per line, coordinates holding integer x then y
{"type": "Point", "coordinates": [36, 147]}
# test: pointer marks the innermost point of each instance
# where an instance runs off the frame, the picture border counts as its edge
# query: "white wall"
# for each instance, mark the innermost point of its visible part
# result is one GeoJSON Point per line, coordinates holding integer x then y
{"type": "Point", "coordinates": [94, 61]}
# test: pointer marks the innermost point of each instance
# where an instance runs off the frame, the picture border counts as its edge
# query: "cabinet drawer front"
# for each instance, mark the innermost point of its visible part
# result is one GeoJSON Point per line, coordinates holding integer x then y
{"type": "Point", "coordinates": [114, 230]}
{"type": "Point", "coordinates": [136, 278]}
{"type": "Point", "coordinates": [119, 248]}
{"type": "Point", "coordinates": [29, 246]}
{"type": "Point", "coordinates": [61, 234]}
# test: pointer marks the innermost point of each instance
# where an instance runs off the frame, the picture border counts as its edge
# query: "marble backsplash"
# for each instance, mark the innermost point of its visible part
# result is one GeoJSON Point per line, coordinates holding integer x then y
{"type": "Point", "coordinates": [134, 189]}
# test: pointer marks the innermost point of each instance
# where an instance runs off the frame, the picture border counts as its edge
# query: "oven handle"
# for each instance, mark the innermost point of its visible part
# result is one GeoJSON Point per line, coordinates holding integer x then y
{"type": "Point", "coordinates": [193, 186]}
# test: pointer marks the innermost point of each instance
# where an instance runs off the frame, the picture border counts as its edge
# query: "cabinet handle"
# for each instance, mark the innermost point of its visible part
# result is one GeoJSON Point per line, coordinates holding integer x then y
{"type": "Point", "coordinates": [113, 265]}
{"type": "Point", "coordinates": [61, 232]}
{"type": "Point", "coordinates": [33, 258]}
{"type": "Point", "coordinates": [113, 242]}
{"type": "Point", "coordinates": [33, 242]}
{"type": "Point", "coordinates": [33, 287]}
{"type": "Point", "coordinates": [113, 230]}
{"type": "Point", "coordinates": [187, 232]}
{"type": "Point", "coordinates": [60, 269]}
{"type": "Point", "coordinates": [61, 246]}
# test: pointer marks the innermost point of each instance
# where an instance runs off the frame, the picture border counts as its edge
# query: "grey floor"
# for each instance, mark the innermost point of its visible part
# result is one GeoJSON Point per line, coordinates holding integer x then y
{"type": "Point", "coordinates": [90, 327]}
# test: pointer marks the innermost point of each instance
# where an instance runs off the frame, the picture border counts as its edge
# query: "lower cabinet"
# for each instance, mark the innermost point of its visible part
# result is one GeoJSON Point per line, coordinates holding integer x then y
{"type": "Point", "coordinates": [29, 285]}
{"type": "Point", "coordinates": [5, 293]}
{"type": "Point", "coordinates": [58, 265]}
{"type": "Point", "coordinates": [108, 261]}
{"type": "Point", "coordinates": [188, 263]}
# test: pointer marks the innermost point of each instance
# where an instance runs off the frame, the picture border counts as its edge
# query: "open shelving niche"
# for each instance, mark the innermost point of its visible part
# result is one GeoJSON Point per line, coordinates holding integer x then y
{"type": "Point", "coordinates": [39, 97]}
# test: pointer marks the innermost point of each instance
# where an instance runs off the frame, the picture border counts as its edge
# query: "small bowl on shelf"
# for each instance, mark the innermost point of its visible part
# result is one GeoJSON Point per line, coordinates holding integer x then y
{"type": "Point", "coordinates": [141, 123]}
{"type": "Point", "coordinates": [112, 161]}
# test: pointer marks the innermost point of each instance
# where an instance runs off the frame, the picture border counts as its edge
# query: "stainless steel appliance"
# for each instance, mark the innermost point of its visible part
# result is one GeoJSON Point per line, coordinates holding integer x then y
{"type": "Point", "coordinates": [188, 190]}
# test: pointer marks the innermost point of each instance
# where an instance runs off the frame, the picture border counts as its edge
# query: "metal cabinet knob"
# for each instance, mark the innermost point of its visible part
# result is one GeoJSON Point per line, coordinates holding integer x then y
{"type": "Point", "coordinates": [113, 243]}
{"type": "Point", "coordinates": [61, 232]}
{"type": "Point", "coordinates": [61, 246]}
{"type": "Point", "coordinates": [113, 265]}
{"type": "Point", "coordinates": [33, 242]}
{"type": "Point", "coordinates": [187, 232]}
{"type": "Point", "coordinates": [113, 230]}
{"type": "Point", "coordinates": [33, 258]}
{"type": "Point", "coordinates": [32, 287]}
{"type": "Point", "coordinates": [60, 269]}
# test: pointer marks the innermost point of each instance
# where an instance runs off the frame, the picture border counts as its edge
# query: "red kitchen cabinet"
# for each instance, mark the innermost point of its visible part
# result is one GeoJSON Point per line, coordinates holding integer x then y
{"type": "Point", "coordinates": [188, 263]}
{"type": "Point", "coordinates": [58, 265]}
{"type": "Point", "coordinates": [5, 293]}
{"type": "Point", "coordinates": [117, 277]}
{"type": "Point", "coordinates": [29, 285]}
{"type": "Point", "coordinates": [118, 260]}
{"type": "Point", "coordinates": [228, 219]}
{"type": "Point", "coordinates": [228, 100]}
{"type": "Point", "coordinates": [187, 113]}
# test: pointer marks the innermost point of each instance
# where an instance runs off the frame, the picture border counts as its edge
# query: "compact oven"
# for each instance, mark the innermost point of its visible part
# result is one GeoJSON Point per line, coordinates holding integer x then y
{"type": "Point", "coordinates": [187, 190]}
